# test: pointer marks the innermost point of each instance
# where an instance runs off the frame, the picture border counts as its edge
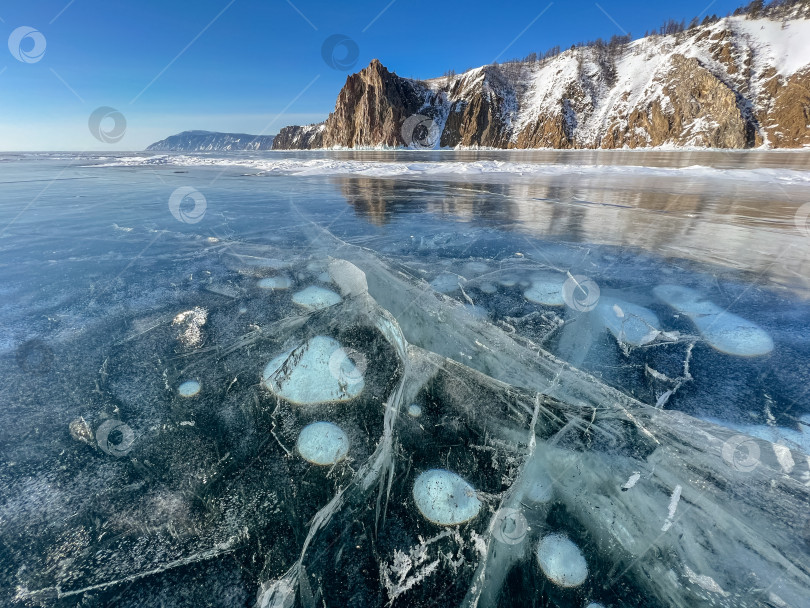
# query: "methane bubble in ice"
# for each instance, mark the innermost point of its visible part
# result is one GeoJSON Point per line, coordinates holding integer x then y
{"type": "Point", "coordinates": [447, 282]}
{"type": "Point", "coordinates": [546, 289]}
{"type": "Point", "coordinates": [474, 268]}
{"type": "Point", "coordinates": [629, 323]}
{"type": "Point", "coordinates": [323, 443]}
{"type": "Point", "coordinates": [723, 330]}
{"type": "Point", "coordinates": [190, 388]}
{"type": "Point", "coordinates": [509, 280]}
{"type": "Point", "coordinates": [303, 375]}
{"type": "Point", "coordinates": [414, 410]}
{"type": "Point", "coordinates": [445, 498]}
{"type": "Point", "coordinates": [280, 282]}
{"type": "Point", "coordinates": [479, 312]}
{"type": "Point", "coordinates": [540, 488]}
{"type": "Point", "coordinates": [561, 561]}
{"type": "Point", "coordinates": [316, 298]}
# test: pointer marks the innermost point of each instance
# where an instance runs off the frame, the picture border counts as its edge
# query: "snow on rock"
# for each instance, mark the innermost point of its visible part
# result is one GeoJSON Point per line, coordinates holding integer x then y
{"type": "Point", "coordinates": [717, 85]}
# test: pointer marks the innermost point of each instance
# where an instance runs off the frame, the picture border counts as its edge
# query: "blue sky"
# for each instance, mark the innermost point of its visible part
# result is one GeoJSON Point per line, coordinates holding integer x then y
{"type": "Point", "coordinates": [256, 65]}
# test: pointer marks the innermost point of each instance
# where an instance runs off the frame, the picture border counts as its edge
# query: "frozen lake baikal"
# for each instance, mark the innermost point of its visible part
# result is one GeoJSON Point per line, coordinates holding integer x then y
{"type": "Point", "coordinates": [355, 378]}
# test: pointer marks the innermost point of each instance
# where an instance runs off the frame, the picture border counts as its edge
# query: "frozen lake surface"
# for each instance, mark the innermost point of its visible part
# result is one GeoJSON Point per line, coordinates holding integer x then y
{"type": "Point", "coordinates": [409, 379]}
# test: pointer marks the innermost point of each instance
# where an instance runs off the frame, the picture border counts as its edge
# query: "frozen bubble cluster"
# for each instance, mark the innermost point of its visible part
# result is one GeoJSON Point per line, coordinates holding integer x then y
{"type": "Point", "coordinates": [485, 441]}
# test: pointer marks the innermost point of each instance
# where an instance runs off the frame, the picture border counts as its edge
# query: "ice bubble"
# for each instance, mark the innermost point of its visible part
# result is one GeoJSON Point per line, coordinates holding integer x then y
{"type": "Point", "coordinates": [540, 488]}
{"type": "Point", "coordinates": [259, 262]}
{"type": "Point", "coordinates": [474, 268]}
{"type": "Point", "coordinates": [488, 288]}
{"type": "Point", "coordinates": [280, 282]}
{"type": "Point", "coordinates": [323, 443]}
{"type": "Point", "coordinates": [414, 410]}
{"type": "Point", "coordinates": [190, 388]}
{"type": "Point", "coordinates": [723, 330]}
{"type": "Point", "coordinates": [349, 278]}
{"type": "Point", "coordinates": [562, 561]}
{"type": "Point", "coordinates": [546, 289]}
{"type": "Point", "coordinates": [316, 298]}
{"type": "Point", "coordinates": [595, 605]}
{"type": "Point", "coordinates": [628, 322]}
{"type": "Point", "coordinates": [445, 498]}
{"type": "Point", "coordinates": [509, 280]}
{"type": "Point", "coordinates": [447, 282]}
{"type": "Point", "coordinates": [317, 371]}
{"type": "Point", "coordinates": [479, 312]}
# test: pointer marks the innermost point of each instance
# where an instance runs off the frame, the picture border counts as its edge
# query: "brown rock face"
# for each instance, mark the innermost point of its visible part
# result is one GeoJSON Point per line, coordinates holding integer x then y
{"type": "Point", "coordinates": [789, 121]}
{"type": "Point", "coordinates": [697, 110]}
{"type": "Point", "coordinates": [475, 120]}
{"type": "Point", "coordinates": [371, 108]}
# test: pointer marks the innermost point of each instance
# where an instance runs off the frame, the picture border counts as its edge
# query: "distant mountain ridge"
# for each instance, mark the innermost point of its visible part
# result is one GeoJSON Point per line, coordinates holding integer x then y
{"type": "Point", "coordinates": [210, 141]}
{"type": "Point", "coordinates": [737, 82]}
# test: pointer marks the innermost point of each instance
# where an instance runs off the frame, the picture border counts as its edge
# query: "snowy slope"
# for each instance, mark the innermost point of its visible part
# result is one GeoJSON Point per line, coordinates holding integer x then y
{"type": "Point", "coordinates": [738, 82]}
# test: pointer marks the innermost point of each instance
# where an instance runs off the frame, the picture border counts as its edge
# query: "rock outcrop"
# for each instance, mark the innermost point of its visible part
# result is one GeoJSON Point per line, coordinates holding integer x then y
{"type": "Point", "coordinates": [209, 141]}
{"type": "Point", "coordinates": [299, 138]}
{"type": "Point", "coordinates": [739, 82]}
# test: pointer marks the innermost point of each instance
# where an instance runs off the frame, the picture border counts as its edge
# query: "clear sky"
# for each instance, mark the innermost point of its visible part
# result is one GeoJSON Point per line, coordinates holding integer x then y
{"type": "Point", "coordinates": [257, 65]}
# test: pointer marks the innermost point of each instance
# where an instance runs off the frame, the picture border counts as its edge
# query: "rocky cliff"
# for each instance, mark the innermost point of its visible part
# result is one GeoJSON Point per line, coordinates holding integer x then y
{"type": "Point", "coordinates": [208, 141]}
{"type": "Point", "coordinates": [739, 82]}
